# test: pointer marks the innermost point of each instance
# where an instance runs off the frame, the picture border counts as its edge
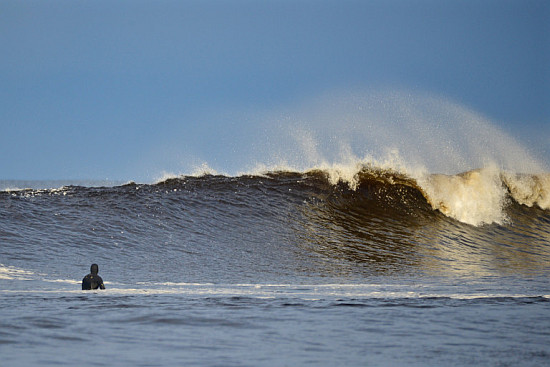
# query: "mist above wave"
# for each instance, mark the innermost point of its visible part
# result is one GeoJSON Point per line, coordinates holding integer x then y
{"type": "Point", "coordinates": [428, 133]}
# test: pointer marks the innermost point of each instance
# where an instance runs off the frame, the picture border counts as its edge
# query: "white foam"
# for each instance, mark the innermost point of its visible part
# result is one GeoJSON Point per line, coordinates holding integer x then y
{"type": "Point", "coordinates": [479, 196]}
{"type": "Point", "coordinates": [11, 272]}
{"type": "Point", "coordinates": [475, 197]}
{"type": "Point", "coordinates": [529, 189]}
{"type": "Point", "coordinates": [165, 176]}
{"type": "Point", "coordinates": [203, 170]}
{"type": "Point", "coordinates": [200, 170]}
{"type": "Point", "coordinates": [313, 292]}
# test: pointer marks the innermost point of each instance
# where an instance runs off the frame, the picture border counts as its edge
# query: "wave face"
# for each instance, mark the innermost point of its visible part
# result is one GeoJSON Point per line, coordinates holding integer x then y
{"type": "Point", "coordinates": [284, 226]}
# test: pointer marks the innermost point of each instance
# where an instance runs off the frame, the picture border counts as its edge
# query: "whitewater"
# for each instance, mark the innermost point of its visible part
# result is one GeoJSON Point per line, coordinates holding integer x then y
{"type": "Point", "coordinates": [379, 229]}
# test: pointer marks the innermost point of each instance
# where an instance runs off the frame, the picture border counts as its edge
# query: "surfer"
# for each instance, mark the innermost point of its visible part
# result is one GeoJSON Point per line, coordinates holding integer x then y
{"type": "Point", "coordinates": [92, 280]}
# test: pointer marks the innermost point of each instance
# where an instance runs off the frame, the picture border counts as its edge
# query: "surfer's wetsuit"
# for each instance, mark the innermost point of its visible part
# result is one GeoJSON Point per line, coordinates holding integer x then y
{"type": "Point", "coordinates": [92, 280]}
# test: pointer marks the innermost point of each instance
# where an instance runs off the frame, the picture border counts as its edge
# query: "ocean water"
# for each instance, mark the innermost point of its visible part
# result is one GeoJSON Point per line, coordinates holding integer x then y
{"type": "Point", "coordinates": [280, 268]}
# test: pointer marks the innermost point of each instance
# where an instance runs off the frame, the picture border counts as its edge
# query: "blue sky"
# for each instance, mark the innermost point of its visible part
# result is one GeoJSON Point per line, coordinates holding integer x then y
{"type": "Point", "coordinates": [129, 89]}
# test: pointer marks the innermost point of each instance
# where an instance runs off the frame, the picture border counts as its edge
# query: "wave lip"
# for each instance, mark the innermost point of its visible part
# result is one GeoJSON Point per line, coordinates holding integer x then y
{"type": "Point", "coordinates": [475, 197]}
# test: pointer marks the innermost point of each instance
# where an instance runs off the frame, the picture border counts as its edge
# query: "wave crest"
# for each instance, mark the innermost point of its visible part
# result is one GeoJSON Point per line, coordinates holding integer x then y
{"type": "Point", "coordinates": [475, 197]}
{"type": "Point", "coordinates": [529, 190]}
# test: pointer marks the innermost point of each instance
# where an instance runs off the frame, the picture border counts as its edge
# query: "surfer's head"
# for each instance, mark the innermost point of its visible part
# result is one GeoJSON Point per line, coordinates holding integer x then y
{"type": "Point", "coordinates": [94, 269]}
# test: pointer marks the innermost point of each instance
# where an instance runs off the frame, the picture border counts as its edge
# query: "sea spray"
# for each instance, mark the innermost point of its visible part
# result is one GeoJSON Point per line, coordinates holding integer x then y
{"type": "Point", "coordinates": [428, 131]}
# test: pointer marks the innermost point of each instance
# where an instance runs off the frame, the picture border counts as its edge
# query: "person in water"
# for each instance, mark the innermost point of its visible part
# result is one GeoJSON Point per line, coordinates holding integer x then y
{"type": "Point", "coordinates": [92, 280]}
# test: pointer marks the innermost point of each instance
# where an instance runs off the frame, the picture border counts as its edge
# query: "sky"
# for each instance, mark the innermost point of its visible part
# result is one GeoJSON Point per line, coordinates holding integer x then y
{"type": "Point", "coordinates": [130, 90]}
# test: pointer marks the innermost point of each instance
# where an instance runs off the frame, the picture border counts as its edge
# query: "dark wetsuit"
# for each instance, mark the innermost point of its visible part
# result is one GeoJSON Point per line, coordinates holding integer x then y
{"type": "Point", "coordinates": [92, 280]}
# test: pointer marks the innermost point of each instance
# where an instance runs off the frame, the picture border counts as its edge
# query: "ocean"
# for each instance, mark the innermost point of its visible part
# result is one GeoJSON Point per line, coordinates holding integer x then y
{"type": "Point", "coordinates": [279, 268]}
